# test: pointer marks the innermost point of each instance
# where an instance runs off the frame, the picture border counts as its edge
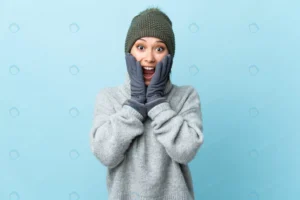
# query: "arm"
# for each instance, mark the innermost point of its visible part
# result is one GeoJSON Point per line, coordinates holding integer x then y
{"type": "Point", "coordinates": [181, 134]}
{"type": "Point", "coordinates": [113, 131]}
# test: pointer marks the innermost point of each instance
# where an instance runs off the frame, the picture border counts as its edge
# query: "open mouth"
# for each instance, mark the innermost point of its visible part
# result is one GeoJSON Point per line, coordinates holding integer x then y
{"type": "Point", "coordinates": [148, 74]}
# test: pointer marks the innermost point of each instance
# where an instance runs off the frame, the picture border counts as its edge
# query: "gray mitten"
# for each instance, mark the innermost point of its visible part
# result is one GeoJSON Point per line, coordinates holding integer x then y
{"type": "Point", "coordinates": [137, 84]}
{"type": "Point", "coordinates": [156, 88]}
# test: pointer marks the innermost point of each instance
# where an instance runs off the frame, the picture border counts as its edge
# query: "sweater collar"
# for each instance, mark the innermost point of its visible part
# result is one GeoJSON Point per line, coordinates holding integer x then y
{"type": "Point", "coordinates": [127, 89]}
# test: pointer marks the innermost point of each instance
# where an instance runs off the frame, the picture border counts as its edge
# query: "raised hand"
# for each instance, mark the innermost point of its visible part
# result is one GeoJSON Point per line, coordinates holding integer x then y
{"type": "Point", "coordinates": [156, 88]}
{"type": "Point", "coordinates": [137, 83]}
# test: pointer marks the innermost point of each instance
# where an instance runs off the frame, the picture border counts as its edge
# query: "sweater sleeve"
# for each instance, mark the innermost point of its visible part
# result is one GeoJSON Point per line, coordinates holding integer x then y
{"type": "Point", "coordinates": [181, 134]}
{"type": "Point", "coordinates": [113, 131]}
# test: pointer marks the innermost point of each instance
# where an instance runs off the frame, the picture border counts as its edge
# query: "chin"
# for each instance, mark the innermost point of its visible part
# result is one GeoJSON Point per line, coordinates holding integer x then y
{"type": "Point", "coordinates": [147, 82]}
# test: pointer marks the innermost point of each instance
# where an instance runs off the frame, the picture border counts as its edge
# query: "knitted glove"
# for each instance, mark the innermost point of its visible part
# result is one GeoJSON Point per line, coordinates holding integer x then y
{"type": "Point", "coordinates": [156, 88]}
{"type": "Point", "coordinates": [137, 84]}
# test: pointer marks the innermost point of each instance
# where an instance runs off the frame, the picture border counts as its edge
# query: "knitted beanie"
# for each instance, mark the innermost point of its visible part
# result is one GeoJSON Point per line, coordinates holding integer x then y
{"type": "Point", "coordinates": [151, 22]}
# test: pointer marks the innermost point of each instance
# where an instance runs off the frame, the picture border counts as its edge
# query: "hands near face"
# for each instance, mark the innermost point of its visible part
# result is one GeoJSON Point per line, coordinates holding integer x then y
{"type": "Point", "coordinates": [152, 95]}
{"type": "Point", "coordinates": [160, 78]}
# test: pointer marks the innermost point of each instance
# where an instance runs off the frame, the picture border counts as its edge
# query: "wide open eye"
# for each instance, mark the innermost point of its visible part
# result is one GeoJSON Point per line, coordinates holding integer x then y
{"type": "Point", "coordinates": [161, 48]}
{"type": "Point", "coordinates": [140, 47]}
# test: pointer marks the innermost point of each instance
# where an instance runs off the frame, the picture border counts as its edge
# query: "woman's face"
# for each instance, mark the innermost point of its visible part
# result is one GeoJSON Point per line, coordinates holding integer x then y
{"type": "Point", "coordinates": [149, 51]}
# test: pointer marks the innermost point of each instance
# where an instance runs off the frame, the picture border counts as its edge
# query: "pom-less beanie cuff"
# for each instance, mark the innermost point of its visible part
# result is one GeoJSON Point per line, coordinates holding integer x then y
{"type": "Point", "coordinates": [151, 23]}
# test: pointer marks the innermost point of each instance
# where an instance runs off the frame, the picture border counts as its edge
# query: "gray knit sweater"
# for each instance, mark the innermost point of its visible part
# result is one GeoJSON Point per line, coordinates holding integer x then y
{"type": "Point", "coordinates": [147, 159]}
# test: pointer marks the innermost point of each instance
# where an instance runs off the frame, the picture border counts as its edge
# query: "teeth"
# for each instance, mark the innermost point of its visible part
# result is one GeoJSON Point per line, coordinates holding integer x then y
{"type": "Point", "coordinates": [148, 68]}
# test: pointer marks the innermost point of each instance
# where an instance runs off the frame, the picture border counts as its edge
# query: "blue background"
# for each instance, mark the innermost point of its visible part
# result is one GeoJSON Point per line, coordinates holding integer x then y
{"type": "Point", "coordinates": [241, 56]}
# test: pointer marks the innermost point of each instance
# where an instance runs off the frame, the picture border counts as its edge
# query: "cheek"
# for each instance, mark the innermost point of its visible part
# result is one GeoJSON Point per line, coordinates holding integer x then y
{"type": "Point", "coordinates": [160, 57]}
{"type": "Point", "coordinates": [136, 54]}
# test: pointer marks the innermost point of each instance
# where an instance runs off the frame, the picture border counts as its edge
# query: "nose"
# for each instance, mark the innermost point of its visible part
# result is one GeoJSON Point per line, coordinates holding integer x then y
{"type": "Point", "coordinates": [149, 57]}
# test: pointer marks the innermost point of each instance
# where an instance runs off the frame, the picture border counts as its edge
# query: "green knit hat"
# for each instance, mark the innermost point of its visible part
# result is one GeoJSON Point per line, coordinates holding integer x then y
{"type": "Point", "coordinates": [151, 22]}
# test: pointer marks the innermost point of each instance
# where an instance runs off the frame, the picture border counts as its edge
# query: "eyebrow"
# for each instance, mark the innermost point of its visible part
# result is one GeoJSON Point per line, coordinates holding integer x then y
{"type": "Point", "coordinates": [156, 41]}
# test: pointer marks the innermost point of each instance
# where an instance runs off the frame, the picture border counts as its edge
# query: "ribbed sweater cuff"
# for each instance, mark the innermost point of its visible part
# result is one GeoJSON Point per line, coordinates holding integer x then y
{"type": "Point", "coordinates": [158, 109]}
{"type": "Point", "coordinates": [152, 104]}
{"type": "Point", "coordinates": [138, 109]}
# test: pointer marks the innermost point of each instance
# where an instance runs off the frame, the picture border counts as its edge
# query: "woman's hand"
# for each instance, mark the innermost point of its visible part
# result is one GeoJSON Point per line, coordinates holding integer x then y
{"type": "Point", "coordinates": [137, 83]}
{"type": "Point", "coordinates": [159, 80]}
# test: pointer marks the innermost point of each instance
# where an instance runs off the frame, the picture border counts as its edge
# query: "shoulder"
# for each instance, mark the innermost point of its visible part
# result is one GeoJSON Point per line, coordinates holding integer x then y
{"type": "Point", "coordinates": [187, 91]}
{"type": "Point", "coordinates": [185, 98]}
{"type": "Point", "coordinates": [105, 93]}
{"type": "Point", "coordinates": [105, 102]}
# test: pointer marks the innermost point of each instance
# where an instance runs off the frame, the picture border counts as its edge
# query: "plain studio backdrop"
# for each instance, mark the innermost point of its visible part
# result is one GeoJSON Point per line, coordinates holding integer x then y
{"type": "Point", "coordinates": [241, 56]}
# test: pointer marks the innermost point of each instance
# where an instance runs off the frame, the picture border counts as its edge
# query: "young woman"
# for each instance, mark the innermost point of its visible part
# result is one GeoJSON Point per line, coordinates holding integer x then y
{"type": "Point", "coordinates": [147, 130]}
